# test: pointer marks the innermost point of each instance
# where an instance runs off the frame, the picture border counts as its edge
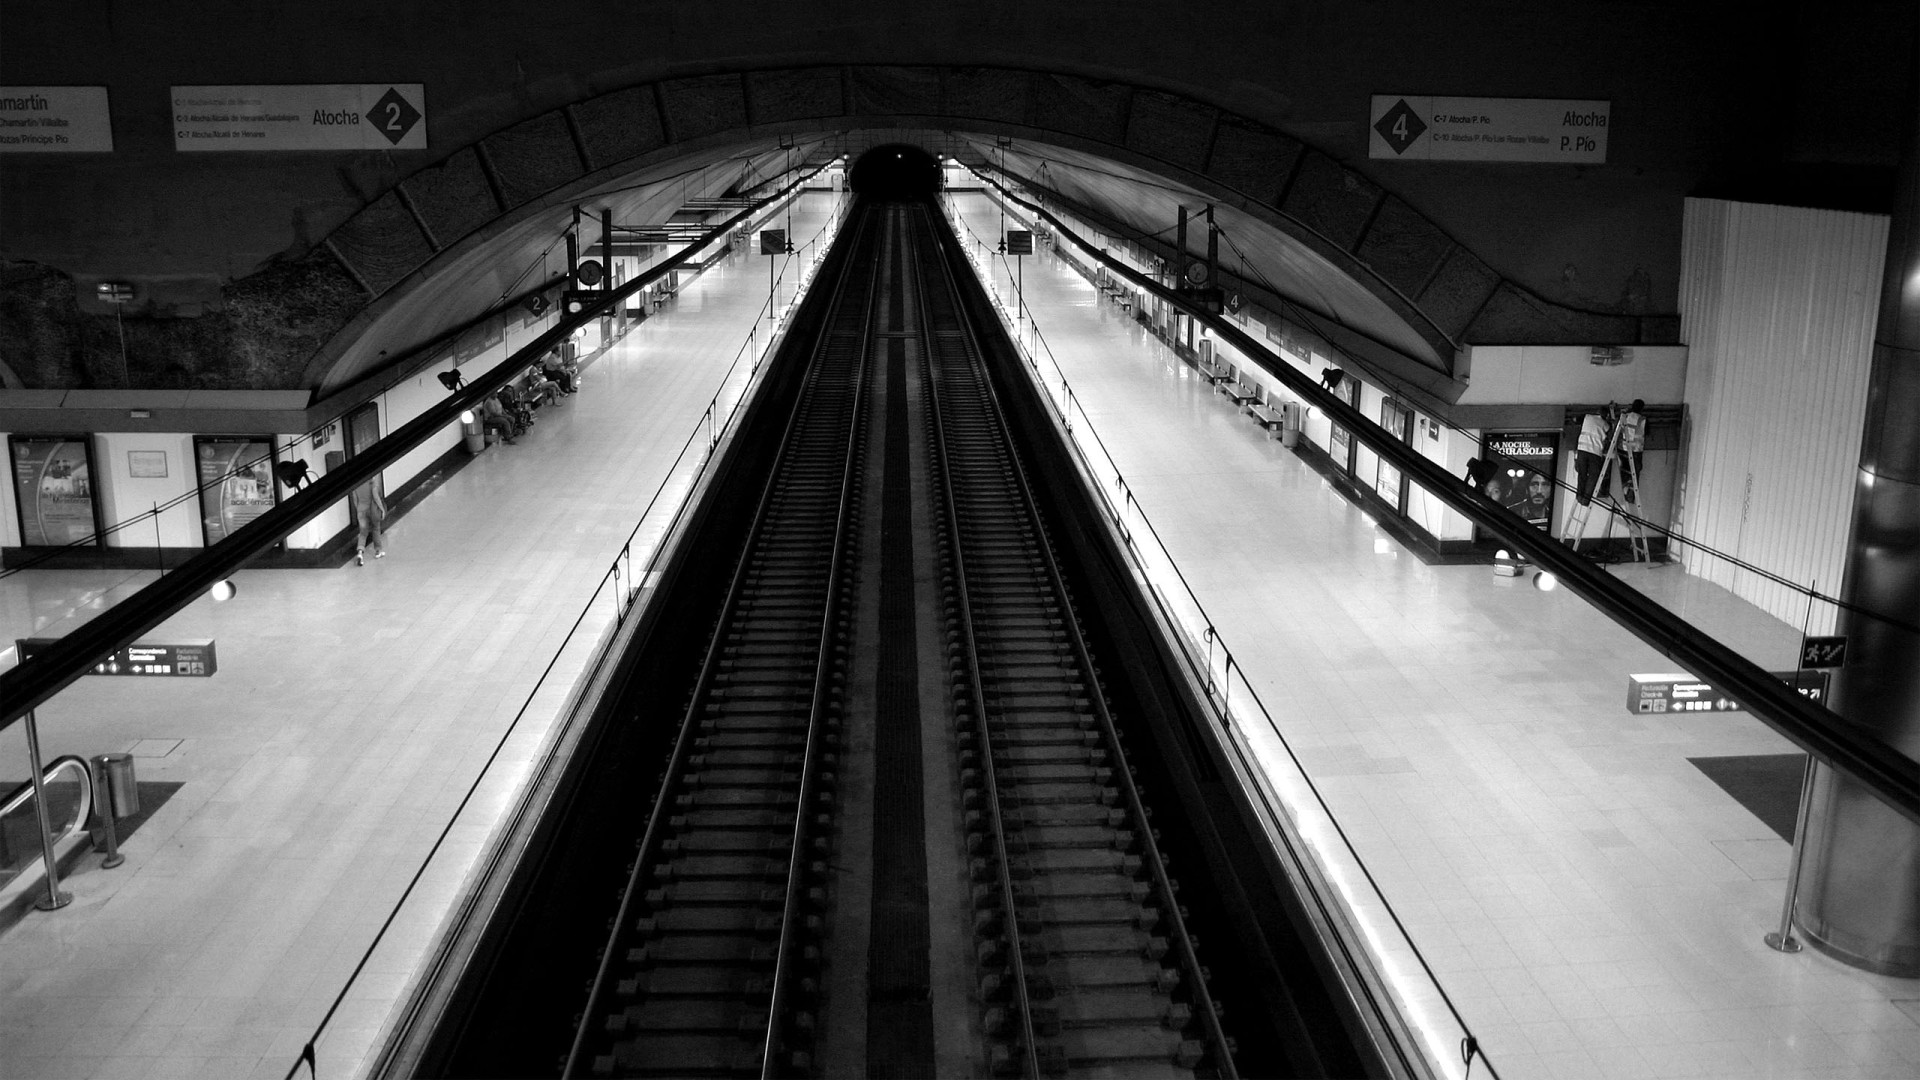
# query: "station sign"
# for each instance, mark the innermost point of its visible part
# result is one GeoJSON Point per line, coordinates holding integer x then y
{"type": "Point", "coordinates": [193, 658]}
{"type": "Point", "coordinates": [1425, 128]}
{"type": "Point", "coordinates": [332, 116]}
{"type": "Point", "coordinates": [1680, 692]}
{"type": "Point", "coordinates": [1019, 242]}
{"type": "Point", "coordinates": [55, 120]}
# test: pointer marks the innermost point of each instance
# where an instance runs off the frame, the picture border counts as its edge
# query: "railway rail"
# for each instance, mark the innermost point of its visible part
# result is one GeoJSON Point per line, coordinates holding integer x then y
{"type": "Point", "coordinates": [710, 966]}
{"type": "Point", "coordinates": [1063, 946]}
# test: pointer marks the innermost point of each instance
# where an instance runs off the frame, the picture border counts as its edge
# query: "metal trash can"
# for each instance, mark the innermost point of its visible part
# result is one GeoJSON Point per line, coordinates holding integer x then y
{"type": "Point", "coordinates": [475, 437]}
{"type": "Point", "coordinates": [117, 784]}
{"type": "Point", "coordinates": [1292, 419]}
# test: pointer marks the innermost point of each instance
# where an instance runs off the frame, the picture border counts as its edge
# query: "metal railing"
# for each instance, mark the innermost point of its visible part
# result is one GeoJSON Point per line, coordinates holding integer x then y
{"type": "Point", "coordinates": [622, 587]}
{"type": "Point", "coordinates": [1404, 992]}
{"type": "Point", "coordinates": [36, 787]}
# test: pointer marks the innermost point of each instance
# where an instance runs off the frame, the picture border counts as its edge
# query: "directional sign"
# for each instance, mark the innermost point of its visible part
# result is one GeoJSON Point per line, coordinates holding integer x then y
{"type": "Point", "coordinates": [54, 120]}
{"type": "Point", "coordinates": [194, 658]}
{"type": "Point", "coordinates": [773, 241]}
{"type": "Point", "coordinates": [349, 116]}
{"type": "Point", "coordinates": [1019, 242]}
{"type": "Point", "coordinates": [1427, 128]}
{"type": "Point", "coordinates": [1824, 652]}
{"type": "Point", "coordinates": [1680, 692]}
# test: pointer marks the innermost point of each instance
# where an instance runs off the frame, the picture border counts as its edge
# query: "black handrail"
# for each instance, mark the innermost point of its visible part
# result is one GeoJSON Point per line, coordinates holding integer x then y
{"type": "Point", "coordinates": [1833, 739]}
{"type": "Point", "coordinates": [30, 684]}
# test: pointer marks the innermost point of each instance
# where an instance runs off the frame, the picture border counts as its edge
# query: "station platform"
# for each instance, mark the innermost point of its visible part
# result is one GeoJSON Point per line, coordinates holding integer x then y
{"type": "Point", "coordinates": [1590, 900]}
{"type": "Point", "coordinates": [352, 712]}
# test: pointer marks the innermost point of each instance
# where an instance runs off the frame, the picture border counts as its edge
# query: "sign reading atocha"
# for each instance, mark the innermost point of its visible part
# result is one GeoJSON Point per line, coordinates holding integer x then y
{"type": "Point", "coordinates": [362, 116]}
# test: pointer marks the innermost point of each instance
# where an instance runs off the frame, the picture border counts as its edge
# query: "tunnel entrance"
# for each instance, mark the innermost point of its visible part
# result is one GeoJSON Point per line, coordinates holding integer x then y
{"type": "Point", "coordinates": [896, 171]}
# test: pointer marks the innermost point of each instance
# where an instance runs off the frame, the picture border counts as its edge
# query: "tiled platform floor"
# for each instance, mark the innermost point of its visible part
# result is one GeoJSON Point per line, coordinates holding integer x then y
{"type": "Point", "coordinates": [352, 711]}
{"type": "Point", "coordinates": [1590, 899]}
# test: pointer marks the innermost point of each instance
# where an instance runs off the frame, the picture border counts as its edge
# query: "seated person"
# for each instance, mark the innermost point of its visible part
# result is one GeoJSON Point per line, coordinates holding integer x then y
{"type": "Point", "coordinates": [541, 389]}
{"type": "Point", "coordinates": [559, 371]}
{"type": "Point", "coordinates": [493, 417]}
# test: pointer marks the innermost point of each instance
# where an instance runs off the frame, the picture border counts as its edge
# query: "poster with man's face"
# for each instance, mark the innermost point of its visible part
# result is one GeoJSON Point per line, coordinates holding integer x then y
{"type": "Point", "coordinates": [1523, 473]}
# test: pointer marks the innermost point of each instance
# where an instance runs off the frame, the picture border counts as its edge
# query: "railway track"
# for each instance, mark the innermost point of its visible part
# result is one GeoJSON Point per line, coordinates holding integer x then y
{"type": "Point", "coordinates": [1082, 962]}
{"type": "Point", "coordinates": [711, 967]}
{"type": "Point", "coordinates": [1086, 964]}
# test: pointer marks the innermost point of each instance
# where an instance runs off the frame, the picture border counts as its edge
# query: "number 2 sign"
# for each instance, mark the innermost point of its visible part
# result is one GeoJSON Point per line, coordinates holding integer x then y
{"type": "Point", "coordinates": [332, 116]}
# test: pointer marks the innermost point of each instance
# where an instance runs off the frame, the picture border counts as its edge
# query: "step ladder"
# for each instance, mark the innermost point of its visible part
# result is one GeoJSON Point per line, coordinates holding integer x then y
{"type": "Point", "coordinates": [1609, 478]}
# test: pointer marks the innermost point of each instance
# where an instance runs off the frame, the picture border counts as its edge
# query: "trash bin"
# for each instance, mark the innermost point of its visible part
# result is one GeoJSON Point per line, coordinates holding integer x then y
{"type": "Point", "coordinates": [1292, 419]}
{"type": "Point", "coordinates": [475, 436]}
{"type": "Point", "coordinates": [118, 787]}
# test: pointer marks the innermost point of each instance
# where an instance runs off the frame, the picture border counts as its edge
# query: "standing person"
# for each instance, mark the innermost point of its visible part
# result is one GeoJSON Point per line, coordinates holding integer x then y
{"type": "Point", "coordinates": [370, 510]}
{"type": "Point", "coordinates": [1633, 446]}
{"type": "Point", "coordinates": [1588, 458]}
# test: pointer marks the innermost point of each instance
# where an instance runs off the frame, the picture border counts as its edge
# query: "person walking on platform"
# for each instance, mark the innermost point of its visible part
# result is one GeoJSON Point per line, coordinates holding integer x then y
{"type": "Point", "coordinates": [1633, 446]}
{"type": "Point", "coordinates": [370, 511]}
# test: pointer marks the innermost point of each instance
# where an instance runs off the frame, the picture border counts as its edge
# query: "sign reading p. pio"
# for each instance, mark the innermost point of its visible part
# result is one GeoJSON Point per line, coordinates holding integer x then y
{"type": "Point", "coordinates": [1680, 692]}
{"type": "Point", "coordinates": [1488, 129]}
{"type": "Point", "coordinates": [54, 120]}
{"type": "Point", "coordinates": [335, 116]}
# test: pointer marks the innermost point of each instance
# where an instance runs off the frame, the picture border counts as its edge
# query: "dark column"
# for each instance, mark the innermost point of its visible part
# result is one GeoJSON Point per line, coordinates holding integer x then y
{"type": "Point", "coordinates": [1860, 898]}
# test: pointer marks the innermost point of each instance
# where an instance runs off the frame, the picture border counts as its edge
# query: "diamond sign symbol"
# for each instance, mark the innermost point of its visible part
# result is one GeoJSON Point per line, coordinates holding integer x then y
{"type": "Point", "coordinates": [393, 116]}
{"type": "Point", "coordinates": [1400, 126]}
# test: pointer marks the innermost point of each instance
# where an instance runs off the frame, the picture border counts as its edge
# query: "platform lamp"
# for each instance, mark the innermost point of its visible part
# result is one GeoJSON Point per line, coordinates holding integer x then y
{"type": "Point", "coordinates": [119, 294]}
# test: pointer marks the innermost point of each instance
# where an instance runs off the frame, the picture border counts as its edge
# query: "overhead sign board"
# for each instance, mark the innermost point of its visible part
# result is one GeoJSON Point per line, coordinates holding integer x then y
{"type": "Point", "coordinates": [1488, 129]}
{"type": "Point", "coordinates": [192, 658]}
{"type": "Point", "coordinates": [1679, 692]}
{"type": "Point", "coordinates": [333, 116]}
{"type": "Point", "coordinates": [54, 120]}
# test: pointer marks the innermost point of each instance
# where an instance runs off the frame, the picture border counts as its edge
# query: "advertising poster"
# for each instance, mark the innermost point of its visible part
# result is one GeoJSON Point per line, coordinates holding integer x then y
{"type": "Point", "coordinates": [1523, 481]}
{"type": "Point", "coordinates": [236, 483]}
{"type": "Point", "coordinates": [53, 486]}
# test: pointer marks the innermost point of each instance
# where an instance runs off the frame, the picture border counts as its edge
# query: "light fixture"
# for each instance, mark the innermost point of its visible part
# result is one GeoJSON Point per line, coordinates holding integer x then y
{"type": "Point", "coordinates": [1508, 564]}
{"type": "Point", "coordinates": [223, 590]}
{"type": "Point", "coordinates": [467, 417]}
{"type": "Point", "coordinates": [1545, 581]}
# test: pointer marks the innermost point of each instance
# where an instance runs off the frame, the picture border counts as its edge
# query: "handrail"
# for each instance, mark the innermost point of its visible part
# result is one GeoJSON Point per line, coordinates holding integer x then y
{"type": "Point", "coordinates": [34, 681]}
{"type": "Point", "coordinates": [1217, 672]}
{"type": "Point", "coordinates": [1839, 743]}
{"type": "Point", "coordinates": [626, 586]}
{"type": "Point", "coordinates": [23, 794]}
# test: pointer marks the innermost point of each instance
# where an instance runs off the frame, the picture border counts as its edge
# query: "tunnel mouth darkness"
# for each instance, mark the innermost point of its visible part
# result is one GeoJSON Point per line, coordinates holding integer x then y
{"type": "Point", "coordinates": [895, 171]}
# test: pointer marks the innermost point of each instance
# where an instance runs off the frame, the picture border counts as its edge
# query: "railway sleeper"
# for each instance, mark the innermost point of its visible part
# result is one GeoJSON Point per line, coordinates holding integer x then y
{"type": "Point", "coordinates": [1152, 1049]}
{"type": "Point", "coordinates": [1065, 747]}
{"type": "Point", "coordinates": [719, 949]}
{"type": "Point", "coordinates": [689, 868]}
{"type": "Point", "coordinates": [717, 1016]}
{"type": "Point", "coordinates": [683, 1055]}
{"type": "Point", "coordinates": [708, 920]}
{"type": "Point", "coordinates": [695, 982]}
{"type": "Point", "coordinates": [710, 776]}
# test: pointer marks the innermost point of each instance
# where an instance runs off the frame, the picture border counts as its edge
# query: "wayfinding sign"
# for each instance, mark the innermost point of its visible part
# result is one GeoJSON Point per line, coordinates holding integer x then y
{"type": "Point", "coordinates": [1488, 129]}
{"type": "Point", "coordinates": [54, 120]}
{"type": "Point", "coordinates": [1679, 692]}
{"type": "Point", "coordinates": [1019, 242]}
{"type": "Point", "coordinates": [193, 658]}
{"type": "Point", "coordinates": [1824, 652]}
{"type": "Point", "coordinates": [333, 116]}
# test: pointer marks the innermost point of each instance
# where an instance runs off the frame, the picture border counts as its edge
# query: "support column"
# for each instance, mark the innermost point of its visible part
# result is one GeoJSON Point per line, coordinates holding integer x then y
{"type": "Point", "coordinates": [1860, 898]}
